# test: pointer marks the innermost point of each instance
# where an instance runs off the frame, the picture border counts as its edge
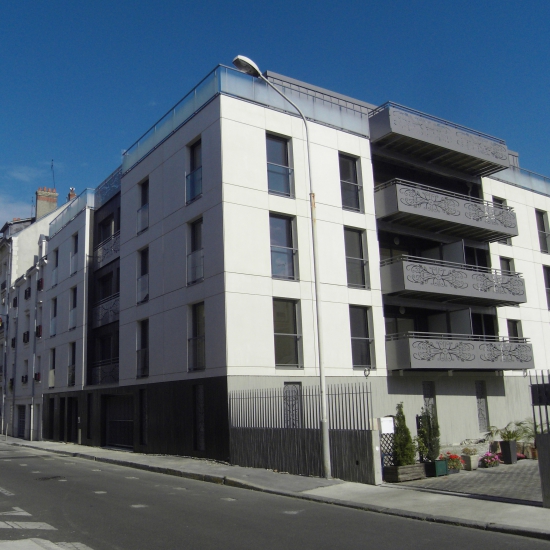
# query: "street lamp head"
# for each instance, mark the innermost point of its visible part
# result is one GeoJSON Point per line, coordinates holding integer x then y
{"type": "Point", "coordinates": [247, 66]}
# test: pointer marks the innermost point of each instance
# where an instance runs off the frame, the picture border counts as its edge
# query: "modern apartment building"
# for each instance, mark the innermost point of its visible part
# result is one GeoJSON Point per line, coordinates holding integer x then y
{"type": "Point", "coordinates": [190, 273]}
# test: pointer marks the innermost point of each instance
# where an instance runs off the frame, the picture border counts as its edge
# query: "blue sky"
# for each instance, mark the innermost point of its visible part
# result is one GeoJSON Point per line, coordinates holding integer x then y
{"type": "Point", "coordinates": [81, 81]}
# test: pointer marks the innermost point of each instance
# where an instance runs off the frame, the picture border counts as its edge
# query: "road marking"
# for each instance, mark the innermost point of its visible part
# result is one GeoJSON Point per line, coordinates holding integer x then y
{"type": "Point", "coordinates": [100, 492]}
{"type": "Point", "coordinates": [131, 477]}
{"type": "Point", "coordinates": [6, 492]}
{"type": "Point", "coordinates": [16, 512]}
{"type": "Point", "coordinates": [61, 480]}
{"type": "Point", "coordinates": [139, 506]}
{"type": "Point", "coordinates": [96, 470]}
{"type": "Point", "coordinates": [26, 525]}
{"type": "Point", "coordinates": [36, 472]}
{"type": "Point", "coordinates": [292, 512]}
{"type": "Point", "coordinates": [180, 488]}
{"type": "Point", "coordinates": [229, 499]}
{"type": "Point", "coordinates": [22, 464]}
{"type": "Point", "coordinates": [72, 546]}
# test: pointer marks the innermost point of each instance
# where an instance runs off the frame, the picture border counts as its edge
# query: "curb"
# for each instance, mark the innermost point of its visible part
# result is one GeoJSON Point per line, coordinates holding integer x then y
{"type": "Point", "coordinates": [240, 484]}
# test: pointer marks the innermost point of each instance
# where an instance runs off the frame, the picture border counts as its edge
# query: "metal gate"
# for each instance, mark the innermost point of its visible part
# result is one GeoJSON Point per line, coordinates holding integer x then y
{"type": "Point", "coordinates": [119, 419]}
{"type": "Point", "coordinates": [21, 409]}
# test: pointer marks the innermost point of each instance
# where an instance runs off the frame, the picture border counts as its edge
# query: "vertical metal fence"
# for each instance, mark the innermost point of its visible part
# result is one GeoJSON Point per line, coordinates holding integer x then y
{"type": "Point", "coordinates": [279, 429]}
{"type": "Point", "coordinates": [539, 382]}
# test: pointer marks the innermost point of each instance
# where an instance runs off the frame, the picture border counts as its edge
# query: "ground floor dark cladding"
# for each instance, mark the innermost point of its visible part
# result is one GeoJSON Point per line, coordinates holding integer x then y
{"type": "Point", "coordinates": [188, 418]}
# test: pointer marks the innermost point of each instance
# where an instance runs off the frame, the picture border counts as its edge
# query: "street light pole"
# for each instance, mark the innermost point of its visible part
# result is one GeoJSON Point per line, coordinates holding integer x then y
{"type": "Point", "coordinates": [246, 65]}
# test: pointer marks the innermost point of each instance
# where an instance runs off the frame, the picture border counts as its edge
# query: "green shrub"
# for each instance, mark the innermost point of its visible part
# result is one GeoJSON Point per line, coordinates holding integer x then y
{"type": "Point", "coordinates": [404, 452]}
{"type": "Point", "coordinates": [428, 433]}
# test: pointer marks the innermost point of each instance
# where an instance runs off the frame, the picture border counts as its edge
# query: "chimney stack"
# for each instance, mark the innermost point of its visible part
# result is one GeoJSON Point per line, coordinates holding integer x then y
{"type": "Point", "coordinates": [72, 194]}
{"type": "Point", "coordinates": [46, 201]}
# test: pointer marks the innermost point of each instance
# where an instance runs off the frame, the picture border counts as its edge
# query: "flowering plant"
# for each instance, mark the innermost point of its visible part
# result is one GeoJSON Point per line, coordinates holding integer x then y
{"type": "Point", "coordinates": [489, 460]}
{"type": "Point", "coordinates": [454, 462]}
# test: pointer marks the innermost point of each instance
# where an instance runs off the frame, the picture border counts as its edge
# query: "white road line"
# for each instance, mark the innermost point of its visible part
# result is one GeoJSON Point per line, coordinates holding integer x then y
{"type": "Point", "coordinates": [132, 477]}
{"type": "Point", "coordinates": [26, 525]}
{"type": "Point", "coordinates": [36, 472]}
{"type": "Point", "coordinates": [293, 512]}
{"type": "Point", "coordinates": [6, 492]}
{"type": "Point", "coordinates": [229, 499]}
{"type": "Point", "coordinates": [61, 480]}
{"type": "Point", "coordinates": [139, 506]}
{"type": "Point", "coordinates": [22, 464]}
{"type": "Point", "coordinates": [16, 512]}
{"type": "Point", "coordinates": [100, 492]}
{"type": "Point", "coordinates": [96, 470]}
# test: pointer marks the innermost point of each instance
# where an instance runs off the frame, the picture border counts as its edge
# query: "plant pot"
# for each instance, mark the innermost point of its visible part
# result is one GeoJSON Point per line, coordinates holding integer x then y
{"type": "Point", "coordinates": [396, 474]}
{"type": "Point", "coordinates": [453, 471]}
{"type": "Point", "coordinates": [509, 452]}
{"type": "Point", "coordinates": [470, 462]}
{"type": "Point", "coordinates": [436, 468]}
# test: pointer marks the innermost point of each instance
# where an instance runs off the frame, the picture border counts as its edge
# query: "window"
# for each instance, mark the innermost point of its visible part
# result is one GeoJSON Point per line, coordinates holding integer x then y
{"type": "Point", "coordinates": [143, 210]}
{"type": "Point", "coordinates": [514, 328]}
{"type": "Point", "coordinates": [74, 254]}
{"type": "Point", "coordinates": [105, 286]}
{"type": "Point", "coordinates": [506, 264]}
{"type": "Point", "coordinates": [143, 277]}
{"type": "Point", "coordinates": [197, 356]}
{"type": "Point", "coordinates": [193, 183]}
{"type": "Point", "coordinates": [360, 341]}
{"type": "Point", "coordinates": [501, 203]}
{"type": "Point", "coordinates": [428, 393]}
{"type": "Point", "coordinates": [542, 226]}
{"type": "Point", "coordinates": [72, 364]}
{"type": "Point", "coordinates": [51, 376]}
{"type": "Point", "coordinates": [351, 190]}
{"type": "Point", "coordinates": [483, 324]}
{"type": "Point", "coordinates": [476, 257]}
{"type": "Point", "coordinates": [283, 253]}
{"type": "Point", "coordinates": [55, 266]}
{"type": "Point", "coordinates": [356, 264]}
{"type": "Point", "coordinates": [546, 271]}
{"type": "Point", "coordinates": [72, 310]}
{"type": "Point", "coordinates": [53, 318]}
{"type": "Point", "coordinates": [143, 349]}
{"type": "Point", "coordinates": [38, 368]}
{"type": "Point", "coordinates": [106, 228]}
{"type": "Point", "coordinates": [482, 407]}
{"type": "Point", "coordinates": [287, 337]}
{"type": "Point", "coordinates": [195, 259]}
{"type": "Point", "coordinates": [278, 171]}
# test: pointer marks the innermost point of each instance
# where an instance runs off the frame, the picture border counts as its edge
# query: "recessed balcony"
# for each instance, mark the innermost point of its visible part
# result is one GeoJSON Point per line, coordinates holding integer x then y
{"type": "Point", "coordinates": [104, 372]}
{"type": "Point", "coordinates": [431, 209]}
{"type": "Point", "coordinates": [106, 311]}
{"type": "Point", "coordinates": [414, 277]}
{"type": "Point", "coordinates": [434, 351]}
{"type": "Point", "coordinates": [107, 251]}
{"type": "Point", "coordinates": [411, 133]}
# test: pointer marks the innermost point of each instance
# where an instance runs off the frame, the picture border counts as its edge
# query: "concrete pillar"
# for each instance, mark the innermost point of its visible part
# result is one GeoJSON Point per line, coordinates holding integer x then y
{"type": "Point", "coordinates": [375, 462]}
{"type": "Point", "coordinates": [543, 448]}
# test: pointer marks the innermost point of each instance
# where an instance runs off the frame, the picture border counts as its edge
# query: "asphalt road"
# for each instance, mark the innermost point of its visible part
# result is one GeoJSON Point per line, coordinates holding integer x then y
{"type": "Point", "coordinates": [108, 507]}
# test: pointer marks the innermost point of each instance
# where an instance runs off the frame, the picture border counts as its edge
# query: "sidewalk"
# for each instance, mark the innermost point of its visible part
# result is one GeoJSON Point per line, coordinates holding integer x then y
{"type": "Point", "coordinates": [450, 508]}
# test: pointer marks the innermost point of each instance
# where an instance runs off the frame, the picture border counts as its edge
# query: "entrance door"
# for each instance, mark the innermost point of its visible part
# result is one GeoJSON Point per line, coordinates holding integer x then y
{"type": "Point", "coordinates": [21, 421]}
{"type": "Point", "coordinates": [119, 418]}
{"type": "Point", "coordinates": [72, 420]}
{"type": "Point", "coordinates": [61, 419]}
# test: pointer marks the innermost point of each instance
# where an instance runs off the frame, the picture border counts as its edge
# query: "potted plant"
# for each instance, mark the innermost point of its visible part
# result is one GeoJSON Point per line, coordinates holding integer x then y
{"type": "Point", "coordinates": [404, 454]}
{"type": "Point", "coordinates": [489, 460]}
{"type": "Point", "coordinates": [454, 462]}
{"type": "Point", "coordinates": [428, 443]}
{"type": "Point", "coordinates": [470, 458]}
{"type": "Point", "coordinates": [528, 433]}
{"type": "Point", "coordinates": [508, 438]}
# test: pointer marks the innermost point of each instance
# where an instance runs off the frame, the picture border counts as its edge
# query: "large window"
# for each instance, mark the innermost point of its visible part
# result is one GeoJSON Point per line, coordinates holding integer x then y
{"type": "Point", "coordinates": [546, 270]}
{"type": "Point", "coordinates": [506, 264]}
{"type": "Point", "coordinates": [542, 226]}
{"type": "Point", "coordinates": [197, 355]}
{"type": "Point", "coordinates": [278, 170]}
{"type": "Point", "coordinates": [356, 262]}
{"type": "Point", "coordinates": [349, 185]}
{"type": "Point", "coordinates": [193, 183]}
{"type": "Point", "coordinates": [72, 310]}
{"type": "Point", "coordinates": [482, 406]}
{"type": "Point", "coordinates": [74, 254]}
{"type": "Point", "coordinates": [287, 334]}
{"type": "Point", "coordinates": [55, 267]}
{"type": "Point", "coordinates": [514, 328]}
{"type": "Point", "coordinates": [195, 259]}
{"type": "Point", "coordinates": [53, 317]}
{"type": "Point", "coordinates": [360, 340]}
{"type": "Point", "coordinates": [143, 349]}
{"type": "Point", "coordinates": [283, 253]}
{"type": "Point", "coordinates": [71, 369]}
{"type": "Point", "coordinates": [143, 210]}
{"type": "Point", "coordinates": [143, 276]}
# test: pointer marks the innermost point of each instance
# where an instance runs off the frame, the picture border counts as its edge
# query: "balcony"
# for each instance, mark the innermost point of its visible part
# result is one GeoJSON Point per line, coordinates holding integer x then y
{"type": "Point", "coordinates": [72, 318]}
{"type": "Point", "coordinates": [107, 251]}
{"type": "Point", "coordinates": [106, 311]}
{"type": "Point", "coordinates": [74, 263]}
{"type": "Point", "coordinates": [104, 372]}
{"type": "Point", "coordinates": [193, 185]}
{"type": "Point", "coordinates": [427, 279]}
{"type": "Point", "coordinates": [404, 131]}
{"type": "Point", "coordinates": [434, 351]}
{"type": "Point", "coordinates": [71, 375]}
{"type": "Point", "coordinates": [142, 363]}
{"type": "Point", "coordinates": [432, 209]}
{"type": "Point", "coordinates": [142, 289]}
{"type": "Point", "coordinates": [142, 218]}
{"type": "Point", "coordinates": [195, 266]}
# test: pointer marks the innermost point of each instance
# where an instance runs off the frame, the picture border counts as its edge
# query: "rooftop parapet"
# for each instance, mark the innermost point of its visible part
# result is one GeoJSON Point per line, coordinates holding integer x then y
{"type": "Point", "coordinates": [77, 205]}
{"type": "Point", "coordinates": [225, 80]}
{"type": "Point", "coordinates": [415, 134]}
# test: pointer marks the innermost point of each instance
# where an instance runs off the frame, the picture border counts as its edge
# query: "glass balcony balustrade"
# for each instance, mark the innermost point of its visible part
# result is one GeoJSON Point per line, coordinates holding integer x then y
{"type": "Point", "coordinates": [195, 266]}
{"type": "Point", "coordinates": [193, 185]}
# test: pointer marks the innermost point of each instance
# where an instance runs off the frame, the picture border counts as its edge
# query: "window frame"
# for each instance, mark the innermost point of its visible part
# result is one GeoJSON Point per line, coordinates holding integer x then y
{"type": "Point", "coordinates": [293, 250]}
{"type": "Point", "coordinates": [193, 179]}
{"type": "Point", "coordinates": [297, 336]}
{"type": "Point", "coordinates": [365, 337]}
{"type": "Point", "coordinates": [280, 168]}
{"type": "Point", "coordinates": [363, 259]}
{"type": "Point", "coordinates": [359, 187]}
